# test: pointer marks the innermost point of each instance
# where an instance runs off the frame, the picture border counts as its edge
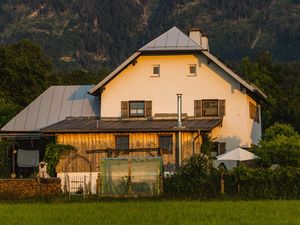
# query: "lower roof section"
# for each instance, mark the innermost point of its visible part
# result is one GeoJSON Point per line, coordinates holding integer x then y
{"type": "Point", "coordinates": [76, 125]}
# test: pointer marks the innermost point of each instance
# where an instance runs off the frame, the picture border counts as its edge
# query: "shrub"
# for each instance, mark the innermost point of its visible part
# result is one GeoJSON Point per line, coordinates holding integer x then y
{"type": "Point", "coordinates": [54, 152]}
{"type": "Point", "coordinates": [197, 177]}
{"type": "Point", "coordinates": [280, 145]}
{"type": "Point", "coordinates": [262, 183]}
{"type": "Point", "coordinates": [4, 159]}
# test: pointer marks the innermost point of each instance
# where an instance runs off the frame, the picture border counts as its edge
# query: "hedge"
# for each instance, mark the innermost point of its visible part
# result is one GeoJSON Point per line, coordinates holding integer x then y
{"type": "Point", "coordinates": [198, 179]}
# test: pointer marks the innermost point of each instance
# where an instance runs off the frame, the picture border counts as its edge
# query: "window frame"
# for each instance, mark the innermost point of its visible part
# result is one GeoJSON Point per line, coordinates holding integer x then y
{"type": "Point", "coordinates": [210, 100]}
{"type": "Point", "coordinates": [121, 136]}
{"type": "Point", "coordinates": [166, 151]}
{"type": "Point", "coordinates": [155, 74]}
{"type": "Point", "coordinates": [189, 70]}
{"type": "Point", "coordinates": [137, 116]}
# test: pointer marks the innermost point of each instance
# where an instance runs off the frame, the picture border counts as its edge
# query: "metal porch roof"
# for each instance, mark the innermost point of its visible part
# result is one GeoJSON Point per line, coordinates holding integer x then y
{"type": "Point", "coordinates": [76, 125]}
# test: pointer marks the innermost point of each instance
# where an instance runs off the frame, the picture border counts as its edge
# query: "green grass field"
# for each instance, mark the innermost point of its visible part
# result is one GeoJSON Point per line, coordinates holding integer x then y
{"type": "Point", "coordinates": [152, 212]}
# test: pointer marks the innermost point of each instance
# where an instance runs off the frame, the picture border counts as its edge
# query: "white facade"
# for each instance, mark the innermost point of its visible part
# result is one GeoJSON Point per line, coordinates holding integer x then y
{"type": "Point", "coordinates": [136, 82]}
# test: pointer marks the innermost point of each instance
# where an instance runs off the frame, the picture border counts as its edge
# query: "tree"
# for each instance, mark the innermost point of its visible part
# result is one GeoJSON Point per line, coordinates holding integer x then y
{"type": "Point", "coordinates": [281, 84]}
{"type": "Point", "coordinates": [24, 70]}
{"type": "Point", "coordinates": [280, 145]}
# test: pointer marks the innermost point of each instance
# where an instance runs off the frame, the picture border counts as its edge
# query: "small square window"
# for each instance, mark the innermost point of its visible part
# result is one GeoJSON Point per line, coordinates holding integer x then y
{"type": "Point", "coordinates": [122, 142]}
{"type": "Point", "coordinates": [192, 70]}
{"type": "Point", "coordinates": [156, 70]}
{"type": "Point", "coordinates": [166, 143]}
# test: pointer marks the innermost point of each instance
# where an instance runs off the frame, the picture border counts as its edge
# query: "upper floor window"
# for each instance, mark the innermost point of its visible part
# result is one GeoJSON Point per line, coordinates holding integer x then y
{"type": "Point", "coordinates": [156, 70]}
{"type": "Point", "coordinates": [192, 70]}
{"type": "Point", "coordinates": [210, 107]}
{"type": "Point", "coordinates": [137, 109]}
{"type": "Point", "coordinates": [122, 142]}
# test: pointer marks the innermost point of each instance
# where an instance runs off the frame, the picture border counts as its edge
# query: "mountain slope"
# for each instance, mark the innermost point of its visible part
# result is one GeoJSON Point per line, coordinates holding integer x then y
{"type": "Point", "coordinates": [89, 33]}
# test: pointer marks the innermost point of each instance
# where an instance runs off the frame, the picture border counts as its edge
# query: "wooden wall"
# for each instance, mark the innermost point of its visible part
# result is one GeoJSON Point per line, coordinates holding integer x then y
{"type": "Point", "coordinates": [92, 141]}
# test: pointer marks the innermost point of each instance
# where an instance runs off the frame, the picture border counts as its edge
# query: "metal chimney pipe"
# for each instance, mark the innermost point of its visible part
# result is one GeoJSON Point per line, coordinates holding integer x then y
{"type": "Point", "coordinates": [179, 125]}
{"type": "Point", "coordinates": [179, 110]}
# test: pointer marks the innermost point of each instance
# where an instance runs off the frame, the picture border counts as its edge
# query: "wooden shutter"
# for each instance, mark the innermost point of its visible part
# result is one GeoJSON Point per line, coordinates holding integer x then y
{"type": "Point", "coordinates": [252, 110]}
{"type": "Point", "coordinates": [221, 107]}
{"type": "Point", "coordinates": [222, 148]}
{"type": "Point", "coordinates": [148, 107]}
{"type": "Point", "coordinates": [197, 108]}
{"type": "Point", "coordinates": [124, 109]}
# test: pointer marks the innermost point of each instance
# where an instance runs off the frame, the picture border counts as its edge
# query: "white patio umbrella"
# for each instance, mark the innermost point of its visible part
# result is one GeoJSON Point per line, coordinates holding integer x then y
{"type": "Point", "coordinates": [237, 154]}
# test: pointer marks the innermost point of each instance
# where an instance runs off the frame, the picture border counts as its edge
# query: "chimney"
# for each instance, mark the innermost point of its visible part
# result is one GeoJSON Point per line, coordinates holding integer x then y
{"type": "Point", "coordinates": [200, 38]}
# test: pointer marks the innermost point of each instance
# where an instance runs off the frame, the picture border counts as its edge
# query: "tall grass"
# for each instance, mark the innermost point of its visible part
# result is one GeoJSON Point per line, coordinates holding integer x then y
{"type": "Point", "coordinates": [142, 212]}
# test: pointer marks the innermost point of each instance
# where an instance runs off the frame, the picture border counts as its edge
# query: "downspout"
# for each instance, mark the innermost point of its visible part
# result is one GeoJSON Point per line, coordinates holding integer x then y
{"type": "Point", "coordinates": [194, 139]}
{"type": "Point", "coordinates": [179, 126]}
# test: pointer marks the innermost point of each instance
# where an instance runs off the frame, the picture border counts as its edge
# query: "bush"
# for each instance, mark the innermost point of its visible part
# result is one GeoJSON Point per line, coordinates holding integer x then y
{"type": "Point", "coordinates": [4, 159]}
{"type": "Point", "coordinates": [54, 152]}
{"type": "Point", "coordinates": [280, 145]}
{"type": "Point", "coordinates": [197, 177]}
{"type": "Point", "coordinates": [261, 183]}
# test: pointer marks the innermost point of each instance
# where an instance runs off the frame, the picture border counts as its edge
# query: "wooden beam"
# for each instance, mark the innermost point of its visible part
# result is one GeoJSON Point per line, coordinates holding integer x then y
{"type": "Point", "coordinates": [109, 150]}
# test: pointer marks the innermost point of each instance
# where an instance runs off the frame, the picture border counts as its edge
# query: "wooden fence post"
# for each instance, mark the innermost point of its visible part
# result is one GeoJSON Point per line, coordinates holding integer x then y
{"type": "Point", "coordinates": [161, 186]}
{"type": "Point", "coordinates": [99, 184]}
{"type": "Point", "coordinates": [222, 184]}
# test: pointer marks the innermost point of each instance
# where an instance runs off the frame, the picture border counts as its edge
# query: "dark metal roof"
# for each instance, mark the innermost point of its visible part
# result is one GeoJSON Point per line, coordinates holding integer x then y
{"type": "Point", "coordinates": [173, 39]}
{"type": "Point", "coordinates": [75, 125]}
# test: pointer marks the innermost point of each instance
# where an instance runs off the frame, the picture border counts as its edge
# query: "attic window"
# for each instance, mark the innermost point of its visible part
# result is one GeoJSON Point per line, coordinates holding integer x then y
{"type": "Point", "coordinates": [155, 70]}
{"type": "Point", "coordinates": [192, 70]}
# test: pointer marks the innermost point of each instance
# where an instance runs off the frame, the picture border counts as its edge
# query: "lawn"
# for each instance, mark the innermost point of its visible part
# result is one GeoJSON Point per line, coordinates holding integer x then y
{"type": "Point", "coordinates": [156, 212]}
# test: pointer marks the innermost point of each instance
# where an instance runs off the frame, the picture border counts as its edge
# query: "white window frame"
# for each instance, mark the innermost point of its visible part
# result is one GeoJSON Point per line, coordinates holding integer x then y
{"type": "Point", "coordinates": [155, 74]}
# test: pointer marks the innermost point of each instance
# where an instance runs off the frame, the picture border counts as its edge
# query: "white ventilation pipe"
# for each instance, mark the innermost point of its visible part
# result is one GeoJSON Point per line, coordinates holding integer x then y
{"type": "Point", "coordinates": [179, 110]}
{"type": "Point", "coordinates": [179, 125]}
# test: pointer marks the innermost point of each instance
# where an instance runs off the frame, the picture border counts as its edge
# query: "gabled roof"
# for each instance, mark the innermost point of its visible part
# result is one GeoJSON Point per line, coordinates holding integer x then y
{"type": "Point", "coordinates": [93, 125]}
{"type": "Point", "coordinates": [175, 40]}
{"type": "Point", "coordinates": [114, 73]}
{"type": "Point", "coordinates": [54, 105]}
{"type": "Point", "coordinates": [172, 40]}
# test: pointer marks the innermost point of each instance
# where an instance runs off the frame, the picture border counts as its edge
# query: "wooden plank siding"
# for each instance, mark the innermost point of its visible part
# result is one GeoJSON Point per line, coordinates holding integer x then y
{"type": "Point", "coordinates": [92, 141]}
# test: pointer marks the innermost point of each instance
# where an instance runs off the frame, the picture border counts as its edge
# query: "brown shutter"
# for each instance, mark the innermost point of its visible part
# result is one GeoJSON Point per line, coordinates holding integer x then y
{"type": "Point", "coordinates": [221, 107]}
{"type": "Point", "coordinates": [197, 108]}
{"type": "Point", "coordinates": [222, 148]}
{"type": "Point", "coordinates": [252, 110]}
{"type": "Point", "coordinates": [124, 109]}
{"type": "Point", "coordinates": [148, 107]}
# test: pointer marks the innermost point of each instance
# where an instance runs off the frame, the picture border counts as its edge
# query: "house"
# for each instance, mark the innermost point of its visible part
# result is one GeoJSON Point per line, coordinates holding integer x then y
{"type": "Point", "coordinates": [164, 99]}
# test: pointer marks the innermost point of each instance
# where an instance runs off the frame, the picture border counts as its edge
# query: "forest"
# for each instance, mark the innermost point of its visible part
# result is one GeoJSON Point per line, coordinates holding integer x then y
{"type": "Point", "coordinates": [90, 34]}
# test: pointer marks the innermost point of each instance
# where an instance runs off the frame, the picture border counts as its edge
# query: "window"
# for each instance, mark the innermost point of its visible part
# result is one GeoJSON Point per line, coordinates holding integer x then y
{"type": "Point", "coordinates": [219, 148]}
{"type": "Point", "coordinates": [210, 107]}
{"type": "Point", "coordinates": [192, 70]}
{"type": "Point", "coordinates": [122, 142]}
{"type": "Point", "coordinates": [165, 143]}
{"type": "Point", "coordinates": [137, 109]}
{"type": "Point", "coordinates": [156, 70]}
